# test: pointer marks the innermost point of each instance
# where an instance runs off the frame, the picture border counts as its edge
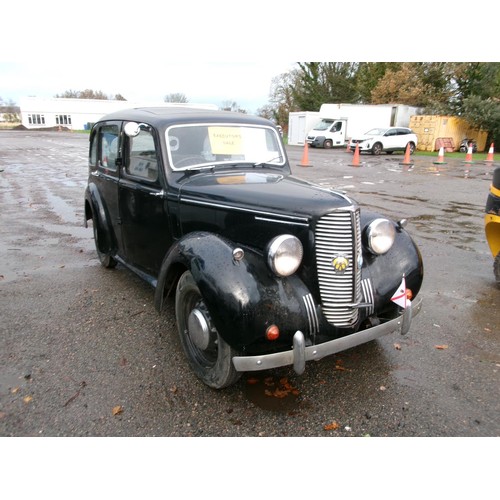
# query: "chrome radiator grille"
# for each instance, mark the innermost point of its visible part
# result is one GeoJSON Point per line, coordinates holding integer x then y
{"type": "Point", "coordinates": [338, 236]}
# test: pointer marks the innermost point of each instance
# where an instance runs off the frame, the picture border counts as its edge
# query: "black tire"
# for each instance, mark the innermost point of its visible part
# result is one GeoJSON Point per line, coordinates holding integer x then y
{"type": "Point", "coordinates": [377, 148]}
{"type": "Point", "coordinates": [496, 269]}
{"type": "Point", "coordinates": [328, 144]}
{"type": "Point", "coordinates": [389, 152]}
{"type": "Point", "coordinates": [208, 355]}
{"type": "Point", "coordinates": [105, 258]}
{"type": "Point", "coordinates": [463, 149]}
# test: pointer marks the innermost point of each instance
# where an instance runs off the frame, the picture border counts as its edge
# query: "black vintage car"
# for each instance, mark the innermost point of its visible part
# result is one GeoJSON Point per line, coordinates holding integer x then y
{"type": "Point", "coordinates": [267, 270]}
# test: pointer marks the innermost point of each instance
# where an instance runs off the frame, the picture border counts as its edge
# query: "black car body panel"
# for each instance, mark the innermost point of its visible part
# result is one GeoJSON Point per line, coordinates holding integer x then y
{"type": "Point", "coordinates": [218, 218]}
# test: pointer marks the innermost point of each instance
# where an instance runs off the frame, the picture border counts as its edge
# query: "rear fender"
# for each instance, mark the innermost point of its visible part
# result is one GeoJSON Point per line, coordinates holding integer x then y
{"type": "Point", "coordinates": [95, 210]}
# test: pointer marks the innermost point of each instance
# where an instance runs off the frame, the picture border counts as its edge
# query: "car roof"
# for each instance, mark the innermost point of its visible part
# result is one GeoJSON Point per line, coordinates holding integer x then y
{"type": "Point", "coordinates": [168, 115]}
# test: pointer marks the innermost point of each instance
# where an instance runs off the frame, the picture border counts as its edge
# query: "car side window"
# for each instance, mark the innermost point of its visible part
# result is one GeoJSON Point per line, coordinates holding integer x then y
{"type": "Point", "coordinates": [142, 160]}
{"type": "Point", "coordinates": [390, 133]}
{"type": "Point", "coordinates": [403, 131]}
{"type": "Point", "coordinates": [108, 136]}
{"type": "Point", "coordinates": [93, 149]}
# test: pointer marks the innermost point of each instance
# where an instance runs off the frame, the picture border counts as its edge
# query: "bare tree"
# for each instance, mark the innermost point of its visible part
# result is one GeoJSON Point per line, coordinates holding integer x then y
{"type": "Point", "coordinates": [175, 97]}
{"type": "Point", "coordinates": [88, 94]}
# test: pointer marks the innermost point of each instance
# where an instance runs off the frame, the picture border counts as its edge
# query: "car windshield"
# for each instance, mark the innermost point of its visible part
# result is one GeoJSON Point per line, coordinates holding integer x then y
{"type": "Point", "coordinates": [376, 131]}
{"type": "Point", "coordinates": [191, 146]}
{"type": "Point", "coordinates": [323, 125]}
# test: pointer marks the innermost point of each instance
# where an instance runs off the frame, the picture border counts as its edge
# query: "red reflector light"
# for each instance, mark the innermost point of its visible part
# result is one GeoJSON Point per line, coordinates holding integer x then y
{"type": "Point", "coordinates": [409, 294]}
{"type": "Point", "coordinates": [272, 333]}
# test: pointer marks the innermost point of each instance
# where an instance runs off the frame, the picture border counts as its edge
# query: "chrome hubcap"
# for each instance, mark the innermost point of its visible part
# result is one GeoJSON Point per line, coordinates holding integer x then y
{"type": "Point", "coordinates": [199, 329]}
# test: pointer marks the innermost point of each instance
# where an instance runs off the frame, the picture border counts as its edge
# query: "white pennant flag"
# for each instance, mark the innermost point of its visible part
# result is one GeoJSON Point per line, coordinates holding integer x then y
{"type": "Point", "coordinates": [400, 297]}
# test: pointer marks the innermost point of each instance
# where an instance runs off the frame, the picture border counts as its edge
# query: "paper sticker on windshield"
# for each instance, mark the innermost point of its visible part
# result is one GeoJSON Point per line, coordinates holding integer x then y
{"type": "Point", "coordinates": [225, 140]}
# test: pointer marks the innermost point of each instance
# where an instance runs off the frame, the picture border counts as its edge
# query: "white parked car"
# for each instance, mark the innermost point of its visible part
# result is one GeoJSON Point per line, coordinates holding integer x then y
{"type": "Point", "coordinates": [388, 139]}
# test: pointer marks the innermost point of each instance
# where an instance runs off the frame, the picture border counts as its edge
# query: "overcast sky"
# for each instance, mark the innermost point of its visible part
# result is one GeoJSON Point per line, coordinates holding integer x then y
{"type": "Point", "coordinates": [215, 51]}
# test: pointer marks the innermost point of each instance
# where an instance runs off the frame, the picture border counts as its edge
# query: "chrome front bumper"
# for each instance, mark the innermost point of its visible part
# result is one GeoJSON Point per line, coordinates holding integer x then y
{"type": "Point", "coordinates": [299, 354]}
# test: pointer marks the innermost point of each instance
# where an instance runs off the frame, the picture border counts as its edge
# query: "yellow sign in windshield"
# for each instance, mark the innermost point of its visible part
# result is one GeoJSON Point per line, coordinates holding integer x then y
{"type": "Point", "coordinates": [225, 140]}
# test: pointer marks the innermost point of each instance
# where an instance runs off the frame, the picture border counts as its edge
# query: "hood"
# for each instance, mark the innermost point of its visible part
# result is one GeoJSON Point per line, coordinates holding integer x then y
{"type": "Point", "coordinates": [264, 192]}
{"type": "Point", "coordinates": [363, 137]}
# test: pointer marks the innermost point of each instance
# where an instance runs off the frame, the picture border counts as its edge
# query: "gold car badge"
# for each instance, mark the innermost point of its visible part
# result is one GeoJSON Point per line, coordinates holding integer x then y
{"type": "Point", "coordinates": [340, 263]}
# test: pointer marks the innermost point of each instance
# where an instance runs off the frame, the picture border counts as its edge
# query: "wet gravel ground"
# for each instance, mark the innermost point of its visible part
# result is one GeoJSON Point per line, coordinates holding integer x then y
{"type": "Point", "coordinates": [84, 353]}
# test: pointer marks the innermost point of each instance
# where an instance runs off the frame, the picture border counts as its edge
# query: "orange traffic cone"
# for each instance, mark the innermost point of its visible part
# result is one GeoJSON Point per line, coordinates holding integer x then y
{"type": "Point", "coordinates": [406, 160]}
{"type": "Point", "coordinates": [440, 159]}
{"type": "Point", "coordinates": [355, 160]}
{"type": "Point", "coordinates": [468, 156]}
{"type": "Point", "coordinates": [305, 157]}
{"type": "Point", "coordinates": [489, 157]}
{"type": "Point", "coordinates": [348, 149]}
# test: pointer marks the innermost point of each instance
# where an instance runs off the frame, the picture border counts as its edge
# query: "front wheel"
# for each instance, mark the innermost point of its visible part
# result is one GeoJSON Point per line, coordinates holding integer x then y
{"type": "Point", "coordinates": [209, 356]}
{"type": "Point", "coordinates": [328, 144]}
{"type": "Point", "coordinates": [496, 269]}
{"type": "Point", "coordinates": [377, 148]}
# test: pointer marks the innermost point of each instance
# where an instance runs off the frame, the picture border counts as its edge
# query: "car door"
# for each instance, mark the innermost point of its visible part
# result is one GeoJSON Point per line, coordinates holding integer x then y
{"type": "Point", "coordinates": [391, 139]}
{"type": "Point", "coordinates": [143, 207]}
{"type": "Point", "coordinates": [104, 162]}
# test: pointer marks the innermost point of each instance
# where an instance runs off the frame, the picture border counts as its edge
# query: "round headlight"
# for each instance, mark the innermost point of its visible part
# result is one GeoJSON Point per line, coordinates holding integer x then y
{"type": "Point", "coordinates": [380, 236]}
{"type": "Point", "coordinates": [284, 254]}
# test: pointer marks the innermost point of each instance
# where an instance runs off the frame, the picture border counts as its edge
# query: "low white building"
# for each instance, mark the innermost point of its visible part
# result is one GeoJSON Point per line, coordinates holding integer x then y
{"type": "Point", "coordinates": [78, 114]}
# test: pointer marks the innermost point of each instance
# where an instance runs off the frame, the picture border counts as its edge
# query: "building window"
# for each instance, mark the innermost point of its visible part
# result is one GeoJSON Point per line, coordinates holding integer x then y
{"type": "Point", "coordinates": [63, 119]}
{"type": "Point", "coordinates": [35, 119]}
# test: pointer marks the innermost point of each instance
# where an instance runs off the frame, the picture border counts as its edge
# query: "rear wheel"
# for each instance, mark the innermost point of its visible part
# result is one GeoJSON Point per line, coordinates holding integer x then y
{"type": "Point", "coordinates": [105, 258]}
{"type": "Point", "coordinates": [377, 148]}
{"type": "Point", "coordinates": [209, 356]}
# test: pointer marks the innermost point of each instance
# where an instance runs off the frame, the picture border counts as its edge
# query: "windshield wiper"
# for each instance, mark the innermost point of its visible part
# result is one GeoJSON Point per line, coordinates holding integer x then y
{"type": "Point", "coordinates": [268, 163]}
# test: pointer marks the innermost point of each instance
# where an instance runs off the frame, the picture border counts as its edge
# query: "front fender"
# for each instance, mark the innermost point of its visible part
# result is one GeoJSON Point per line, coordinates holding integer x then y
{"type": "Point", "coordinates": [387, 270]}
{"type": "Point", "coordinates": [243, 297]}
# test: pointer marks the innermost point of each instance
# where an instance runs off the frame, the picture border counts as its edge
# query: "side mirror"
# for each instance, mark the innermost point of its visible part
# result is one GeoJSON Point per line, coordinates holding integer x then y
{"type": "Point", "coordinates": [132, 129]}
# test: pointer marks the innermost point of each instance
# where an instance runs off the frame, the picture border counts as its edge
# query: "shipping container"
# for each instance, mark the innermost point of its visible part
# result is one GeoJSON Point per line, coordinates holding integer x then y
{"type": "Point", "coordinates": [436, 131]}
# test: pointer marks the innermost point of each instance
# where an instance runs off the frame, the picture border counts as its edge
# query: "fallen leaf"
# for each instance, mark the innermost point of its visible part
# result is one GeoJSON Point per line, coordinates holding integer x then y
{"type": "Point", "coordinates": [397, 347]}
{"type": "Point", "coordinates": [441, 347]}
{"type": "Point", "coordinates": [173, 389]}
{"type": "Point", "coordinates": [383, 388]}
{"type": "Point", "coordinates": [27, 399]}
{"type": "Point", "coordinates": [331, 427]}
{"type": "Point", "coordinates": [14, 390]}
{"type": "Point", "coordinates": [487, 330]}
{"type": "Point", "coordinates": [117, 410]}
{"type": "Point", "coordinates": [341, 368]}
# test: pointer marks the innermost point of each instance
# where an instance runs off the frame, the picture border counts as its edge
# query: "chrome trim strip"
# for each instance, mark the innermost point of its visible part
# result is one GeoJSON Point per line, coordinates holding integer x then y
{"type": "Point", "coordinates": [312, 317]}
{"type": "Point", "coordinates": [240, 209]}
{"type": "Point", "coordinates": [316, 352]}
{"type": "Point", "coordinates": [281, 221]}
{"type": "Point", "coordinates": [367, 288]}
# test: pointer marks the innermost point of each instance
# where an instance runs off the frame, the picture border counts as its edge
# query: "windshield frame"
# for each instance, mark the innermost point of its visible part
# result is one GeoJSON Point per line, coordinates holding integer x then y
{"type": "Point", "coordinates": [272, 159]}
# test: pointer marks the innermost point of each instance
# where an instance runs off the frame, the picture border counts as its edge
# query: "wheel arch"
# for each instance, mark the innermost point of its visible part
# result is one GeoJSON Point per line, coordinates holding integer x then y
{"type": "Point", "coordinates": [95, 210]}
